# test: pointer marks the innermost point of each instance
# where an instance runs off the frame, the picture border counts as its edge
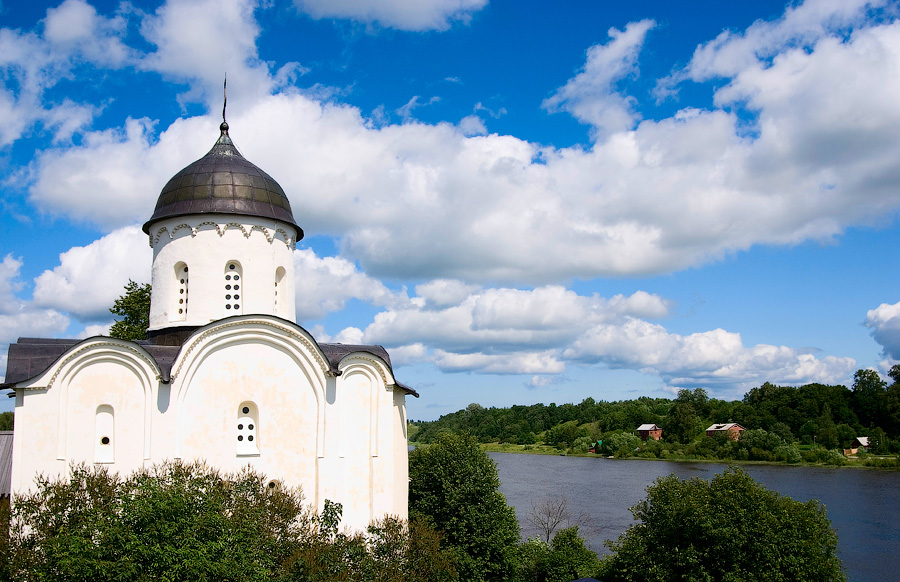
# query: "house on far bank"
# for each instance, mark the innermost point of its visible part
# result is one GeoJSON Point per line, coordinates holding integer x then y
{"type": "Point", "coordinates": [858, 443]}
{"type": "Point", "coordinates": [732, 429]}
{"type": "Point", "coordinates": [652, 431]}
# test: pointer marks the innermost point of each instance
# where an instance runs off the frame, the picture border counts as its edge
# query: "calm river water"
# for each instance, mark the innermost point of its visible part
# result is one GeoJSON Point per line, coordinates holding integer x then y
{"type": "Point", "coordinates": [863, 505]}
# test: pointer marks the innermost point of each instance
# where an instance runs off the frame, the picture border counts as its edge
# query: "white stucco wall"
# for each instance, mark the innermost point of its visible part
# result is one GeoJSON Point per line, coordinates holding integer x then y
{"type": "Point", "coordinates": [340, 437]}
{"type": "Point", "coordinates": [206, 244]}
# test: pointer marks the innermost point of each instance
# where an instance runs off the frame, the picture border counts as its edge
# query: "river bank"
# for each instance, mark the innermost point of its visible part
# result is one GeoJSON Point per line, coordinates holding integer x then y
{"type": "Point", "coordinates": [850, 462]}
{"type": "Point", "coordinates": [860, 504]}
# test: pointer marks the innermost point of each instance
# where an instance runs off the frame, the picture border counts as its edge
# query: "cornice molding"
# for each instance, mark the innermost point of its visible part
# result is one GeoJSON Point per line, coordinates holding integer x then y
{"type": "Point", "coordinates": [220, 227]}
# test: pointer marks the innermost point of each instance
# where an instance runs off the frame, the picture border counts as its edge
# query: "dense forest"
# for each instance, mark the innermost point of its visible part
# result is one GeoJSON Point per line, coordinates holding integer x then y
{"type": "Point", "coordinates": [784, 423]}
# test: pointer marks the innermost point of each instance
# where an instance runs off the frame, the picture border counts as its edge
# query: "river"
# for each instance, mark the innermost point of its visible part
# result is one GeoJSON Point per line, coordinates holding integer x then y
{"type": "Point", "coordinates": [863, 505]}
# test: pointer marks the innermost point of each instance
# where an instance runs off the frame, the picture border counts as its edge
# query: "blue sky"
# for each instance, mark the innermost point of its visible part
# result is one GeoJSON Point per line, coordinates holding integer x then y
{"type": "Point", "coordinates": [523, 201]}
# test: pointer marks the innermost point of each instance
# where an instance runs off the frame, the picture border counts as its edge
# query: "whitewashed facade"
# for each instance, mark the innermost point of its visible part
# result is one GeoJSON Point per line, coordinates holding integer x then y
{"type": "Point", "coordinates": [226, 376]}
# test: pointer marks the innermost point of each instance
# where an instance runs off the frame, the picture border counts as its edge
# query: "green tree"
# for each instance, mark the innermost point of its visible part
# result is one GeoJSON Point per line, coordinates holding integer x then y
{"type": "Point", "coordinates": [172, 522]}
{"type": "Point", "coordinates": [878, 442]}
{"type": "Point", "coordinates": [189, 522]}
{"type": "Point", "coordinates": [564, 559]}
{"type": "Point", "coordinates": [7, 420]}
{"type": "Point", "coordinates": [454, 486]}
{"type": "Point", "coordinates": [682, 424]}
{"type": "Point", "coordinates": [729, 528]}
{"type": "Point", "coordinates": [391, 551]}
{"type": "Point", "coordinates": [134, 308]}
{"type": "Point", "coordinates": [827, 434]}
{"type": "Point", "coordinates": [621, 444]}
{"type": "Point", "coordinates": [869, 397]}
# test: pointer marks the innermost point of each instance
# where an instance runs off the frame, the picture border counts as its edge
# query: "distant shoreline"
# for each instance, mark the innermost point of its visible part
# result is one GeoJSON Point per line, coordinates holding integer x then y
{"type": "Point", "coordinates": [552, 451]}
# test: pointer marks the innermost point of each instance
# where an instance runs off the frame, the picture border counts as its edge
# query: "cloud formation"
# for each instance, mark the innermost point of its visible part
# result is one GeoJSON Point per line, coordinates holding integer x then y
{"type": "Point", "coordinates": [591, 96]}
{"type": "Point", "coordinates": [32, 63]}
{"type": "Point", "coordinates": [799, 145]}
{"type": "Point", "coordinates": [20, 318]}
{"type": "Point", "coordinates": [884, 325]}
{"type": "Point", "coordinates": [323, 285]}
{"type": "Point", "coordinates": [459, 328]}
{"type": "Point", "coordinates": [411, 15]}
{"type": "Point", "coordinates": [89, 279]}
{"type": "Point", "coordinates": [659, 197]}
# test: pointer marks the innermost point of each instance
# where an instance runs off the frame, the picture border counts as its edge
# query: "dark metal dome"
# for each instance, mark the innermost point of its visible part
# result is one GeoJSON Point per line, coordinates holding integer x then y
{"type": "Point", "coordinates": [223, 181]}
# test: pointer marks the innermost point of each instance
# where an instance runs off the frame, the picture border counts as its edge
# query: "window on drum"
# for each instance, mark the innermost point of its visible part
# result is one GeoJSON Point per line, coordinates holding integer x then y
{"type": "Point", "coordinates": [233, 282]}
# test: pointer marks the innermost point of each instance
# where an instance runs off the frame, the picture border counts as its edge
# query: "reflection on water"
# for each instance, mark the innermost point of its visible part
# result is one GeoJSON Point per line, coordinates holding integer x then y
{"type": "Point", "coordinates": [862, 505]}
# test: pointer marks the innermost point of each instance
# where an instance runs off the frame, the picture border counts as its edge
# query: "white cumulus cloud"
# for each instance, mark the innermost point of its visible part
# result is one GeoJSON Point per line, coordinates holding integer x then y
{"type": "Point", "coordinates": [89, 279]}
{"type": "Point", "coordinates": [200, 41]}
{"type": "Point", "coordinates": [412, 15]}
{"type": "Point", "coordinates": [884, 325]}
{"type": "Point", "coordinates": [539, 332]}
{"type": "Point", "coordinates": [591, 95]}
{"type": "Point", "coordinates": [19, 318]}
{"type": "Point", "coordinates": [324, 284]}
{"type": "Point", "coordinates": [429, 201]}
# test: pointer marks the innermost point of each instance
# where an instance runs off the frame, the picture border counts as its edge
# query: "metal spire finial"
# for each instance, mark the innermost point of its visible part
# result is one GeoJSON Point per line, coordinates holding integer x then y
{"type": "Point", "coordinates": [224, 127]}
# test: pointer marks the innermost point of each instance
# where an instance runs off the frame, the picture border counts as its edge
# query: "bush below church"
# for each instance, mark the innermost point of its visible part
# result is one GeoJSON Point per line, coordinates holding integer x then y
{"type": "Point", "coordinates": [189, 522]}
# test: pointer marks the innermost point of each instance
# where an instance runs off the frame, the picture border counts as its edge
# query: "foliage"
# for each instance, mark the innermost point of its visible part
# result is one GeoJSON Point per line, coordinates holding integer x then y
{"type": "Point", "coordinates": [564, 435]}
{"type": "Point", "coordinates": [831, 416]}
{"type": "Point", "coordinates": [729, 528]}
{"type": "Point", "coordinates": [391, 551]}
{"type": "Point", "coordinates": [7, 420]}
{"type": "Point", "coordinates": [454, 487]}
{"type": "Point", "coordinates": [787, 453]}
{"type": "Point", "coordinates": [182, 522]}
{"type": "Point", "coordinates": [582, 444]}
{"type": "Point", "coordinates": [134, 308]}
{"type": "Point", "coordinates": [188, 522]}
{"type": "Point", "coordinates": [620, 444]}
{"type": "Point", "coordinates": [564, 559]}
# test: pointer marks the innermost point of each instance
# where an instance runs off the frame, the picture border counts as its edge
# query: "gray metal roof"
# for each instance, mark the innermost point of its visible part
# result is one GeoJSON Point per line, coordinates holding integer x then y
{"type": "Point", "coordinates": [725, 426]}
{"type": "Point", "coordinates": [648, 427]}
{"type": "Point", "coordinates": [29, 357]}
{"type": "Point", "coordinates": [6, 448]}
{"type": "Point", "coordinates": [223, 181]}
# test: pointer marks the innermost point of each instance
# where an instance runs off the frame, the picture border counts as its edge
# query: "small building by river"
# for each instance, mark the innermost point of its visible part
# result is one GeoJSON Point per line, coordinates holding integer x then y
{"type": "Point", "coordinates": [651, 431]}
{"type": "Point", "coordinates": [732, 429]}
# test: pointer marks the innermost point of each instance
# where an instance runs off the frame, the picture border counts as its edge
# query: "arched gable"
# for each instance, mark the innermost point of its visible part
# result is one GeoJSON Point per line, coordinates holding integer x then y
{"type": "Point", "coordinates": [250, 338]}
{"type": "Point", "coordinates": [132, 366]}
{"type": "Point", "coordinates": [375, 378]}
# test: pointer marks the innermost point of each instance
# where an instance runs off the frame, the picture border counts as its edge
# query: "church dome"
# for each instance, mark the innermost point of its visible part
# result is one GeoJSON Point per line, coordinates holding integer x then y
{"type": "Point", "coordinates": [224, 182]}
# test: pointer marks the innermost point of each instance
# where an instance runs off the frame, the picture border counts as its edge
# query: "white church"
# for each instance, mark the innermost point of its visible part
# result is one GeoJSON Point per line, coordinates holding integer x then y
{"type": "Point", "coordinates": [225, 374]}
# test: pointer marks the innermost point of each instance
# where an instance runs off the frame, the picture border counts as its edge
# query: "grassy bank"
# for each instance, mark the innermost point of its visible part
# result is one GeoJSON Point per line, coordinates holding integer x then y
{"type": "Point", "coordinates": [869, 462]}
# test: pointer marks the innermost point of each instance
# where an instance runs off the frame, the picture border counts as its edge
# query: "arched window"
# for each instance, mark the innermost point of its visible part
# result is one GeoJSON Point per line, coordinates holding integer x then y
{"type": "Point", "coordinates": [247, 436]}
{"type": "Point", "coordinates": [279, 288]}
{"type": "Point", "coordinates": [233, 283]}
{"type": "Point", "coordinates": [104, 435]}
{"type": "Point", "coordinates": [179, 310]}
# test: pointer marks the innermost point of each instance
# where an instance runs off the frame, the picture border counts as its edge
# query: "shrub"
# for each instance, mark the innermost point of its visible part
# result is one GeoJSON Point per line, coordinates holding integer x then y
{"type": "Point", "coordinates": [454, 487]}
{"type": "Point", "coordinates": [729, 528]}
{"type": "Point", "coordinates": [788, 453]}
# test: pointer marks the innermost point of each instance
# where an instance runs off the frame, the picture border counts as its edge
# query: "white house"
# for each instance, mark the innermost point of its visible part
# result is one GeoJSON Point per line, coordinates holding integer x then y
{"type": "Point", "coordinates": [225, 374]}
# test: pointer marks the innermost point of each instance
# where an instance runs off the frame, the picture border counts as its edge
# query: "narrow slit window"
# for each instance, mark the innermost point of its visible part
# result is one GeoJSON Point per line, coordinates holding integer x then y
{"type": "Point", "coordinates": [247, 433]}
{"type": "Point", "coordinates": [234, 281]}
{"type": "Point", "coordinates": [279, 289]}
{"type": "Point", "coordinates": [180, 309]}
{"type": "Point", "coordinates": [104, 435]}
